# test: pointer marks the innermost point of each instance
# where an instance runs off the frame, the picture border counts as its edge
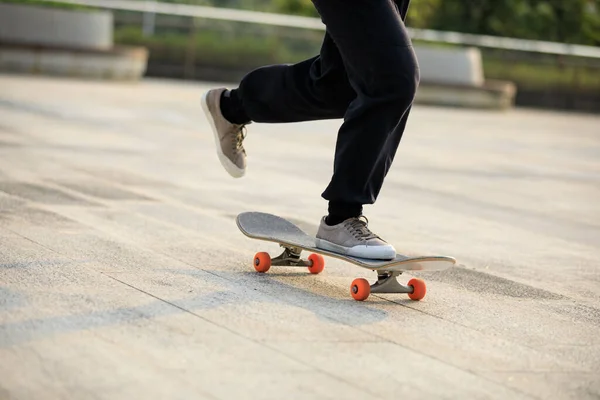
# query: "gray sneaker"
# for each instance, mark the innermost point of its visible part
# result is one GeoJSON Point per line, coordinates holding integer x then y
{"type": "Point", "coordinates": [228, 136]}
{"type": "Point", "coordinates": [353, 238]}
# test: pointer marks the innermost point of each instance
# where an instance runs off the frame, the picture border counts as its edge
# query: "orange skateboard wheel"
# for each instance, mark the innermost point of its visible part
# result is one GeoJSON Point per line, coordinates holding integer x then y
{"type": "Point", "coordinates": [262, 262]}
{"type": "Point", "coordinates": [317, 263]}
{"type": "Point", "coordinates": [419, 289]}
{"type": "Point", "coordinates": [360, 289]}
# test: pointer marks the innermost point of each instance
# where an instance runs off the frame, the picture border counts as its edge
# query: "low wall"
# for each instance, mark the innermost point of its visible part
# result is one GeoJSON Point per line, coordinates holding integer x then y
{"type": "Point", "coordinates": [45, 40]}
{"type": "Point", "coordinates": [44, 26]}
{"type": "Point", "coordinates": [122, 63]}
{"type": "Point", "coordinates": [450, 66]}
{"type": "Point", "coordinates": [497, 95]}
{"type": "Point", "coordinates": [454, 77]}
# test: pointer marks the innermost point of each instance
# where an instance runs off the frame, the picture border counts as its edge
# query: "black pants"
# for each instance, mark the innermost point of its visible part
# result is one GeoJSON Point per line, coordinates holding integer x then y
{"type": "Point", "coordinates": [366, 73]}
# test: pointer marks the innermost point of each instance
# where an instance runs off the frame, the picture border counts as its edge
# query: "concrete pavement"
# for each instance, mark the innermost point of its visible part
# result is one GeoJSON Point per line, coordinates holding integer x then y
{"type": "Point", "coordinates": [123, 275]}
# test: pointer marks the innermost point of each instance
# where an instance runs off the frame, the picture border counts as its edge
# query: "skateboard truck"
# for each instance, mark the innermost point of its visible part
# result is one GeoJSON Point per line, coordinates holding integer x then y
{"type": "Point", "coordinates": [387, 283]}
{"type": "Point", "coordinates": [290, 257]}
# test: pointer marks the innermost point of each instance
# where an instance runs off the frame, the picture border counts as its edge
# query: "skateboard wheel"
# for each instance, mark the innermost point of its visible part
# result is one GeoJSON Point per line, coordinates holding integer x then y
{"type": "Point", "coordinates": [262, 262]}
{"type": "Point", "coordinates": [419, 289]}
{"type": "Point", "coordinates": [360, 289]}
{"type": "Point", "coordinates": [317, 263]}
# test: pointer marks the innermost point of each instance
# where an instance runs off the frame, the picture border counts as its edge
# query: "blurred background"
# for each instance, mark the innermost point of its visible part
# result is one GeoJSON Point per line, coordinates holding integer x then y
{"type": "Point", "coordinates": [501, 53]}
{"type": "Point", "coordinates": [123, 274]}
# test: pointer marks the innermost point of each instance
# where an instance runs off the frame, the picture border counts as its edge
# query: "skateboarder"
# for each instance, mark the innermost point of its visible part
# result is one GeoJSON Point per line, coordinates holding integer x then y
{"type": "Point", "coordinates": [367, 74]}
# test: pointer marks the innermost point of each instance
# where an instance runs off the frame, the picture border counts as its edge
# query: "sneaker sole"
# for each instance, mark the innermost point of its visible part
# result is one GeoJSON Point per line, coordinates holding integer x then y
{"type": "Point", "coordinates": [371, 253]}
{"type": "Point", "coordinates": [229, 166]}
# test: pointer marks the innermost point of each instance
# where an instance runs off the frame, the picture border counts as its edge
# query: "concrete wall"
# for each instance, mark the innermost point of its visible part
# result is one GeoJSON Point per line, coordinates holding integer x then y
{"type": "Point", "coordinates": [497, 95]}
{"type": "Point", "coordinates": [120, 64]}
{"type": "Point", "coordinates": [450, 66]}
{"type": "Point", "coordinates": [50, 27]}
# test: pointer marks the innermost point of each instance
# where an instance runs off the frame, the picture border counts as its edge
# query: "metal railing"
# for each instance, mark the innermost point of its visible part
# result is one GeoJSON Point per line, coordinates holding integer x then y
{"type": "Point", "coordinates": [219, 44]}
{"type": "Point", "coordinates": [291, 21]}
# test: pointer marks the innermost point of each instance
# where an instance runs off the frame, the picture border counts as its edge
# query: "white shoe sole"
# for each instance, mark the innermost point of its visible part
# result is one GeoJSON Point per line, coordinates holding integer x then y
{"type": "Point", "coordinates": [229, 166]}
{"type": "Point", "coordinates": [370, 252]}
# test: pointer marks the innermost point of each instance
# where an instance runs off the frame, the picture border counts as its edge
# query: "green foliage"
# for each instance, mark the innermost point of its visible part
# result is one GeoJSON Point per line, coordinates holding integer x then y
{"type": "Point", "coordinates": [570, 21]}
{"type": "Point", "coordinates": [209, 47]}
{"type": "Point", "coordinates": [422, 12]}
{"type": "Point", "coordinates": [296, 7]}
{"type": "Point", "coordinates": [528, 76]}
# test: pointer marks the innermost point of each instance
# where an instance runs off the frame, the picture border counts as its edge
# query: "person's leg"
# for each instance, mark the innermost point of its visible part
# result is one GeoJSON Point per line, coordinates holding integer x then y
{"type": "Point", "coordinates": [376, 75]}
{"type": "Point", "coordinates": [314, 89]}
{"type": "Point", "coordinates": [383, 71]}
{"type": "Point", "coordinates": [317, 88]}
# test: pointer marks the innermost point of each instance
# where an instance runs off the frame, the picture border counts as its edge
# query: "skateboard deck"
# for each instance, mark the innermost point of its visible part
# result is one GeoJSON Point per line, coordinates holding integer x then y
{"type": "Point", "coordinates": [271, 228]}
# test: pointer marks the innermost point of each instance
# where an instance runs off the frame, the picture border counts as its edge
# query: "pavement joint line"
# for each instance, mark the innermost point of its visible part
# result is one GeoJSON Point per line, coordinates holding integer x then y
{"type": "Point", "coordinates": [172, 201]}
{"type": "Point", "coordinates": [258, 342]}
{"type": "Point", "coordinates": [467, 327]}
{"type": "Point", "coordinates": [498, 211]}
{"type": "Point", "coordinates": [384, 339]}
{"type": "Point", "coordinates": [368, 332]}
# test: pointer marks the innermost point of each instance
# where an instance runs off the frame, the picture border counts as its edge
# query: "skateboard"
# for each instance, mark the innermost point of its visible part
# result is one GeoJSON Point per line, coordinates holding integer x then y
{"type": "Point", "coordinates": [275, 229]}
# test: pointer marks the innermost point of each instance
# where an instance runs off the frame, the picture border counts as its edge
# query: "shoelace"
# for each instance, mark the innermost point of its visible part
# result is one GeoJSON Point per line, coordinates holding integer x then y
{"type": "Point", "coordinates": [358, 228]}
{"type": "Point", "coordinates": [239, 138]}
